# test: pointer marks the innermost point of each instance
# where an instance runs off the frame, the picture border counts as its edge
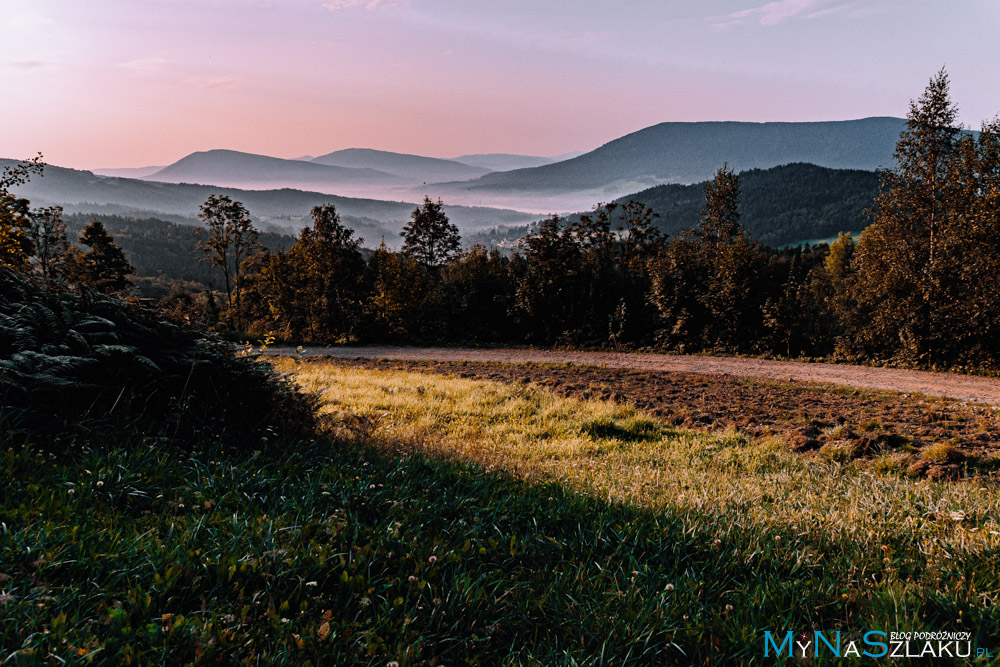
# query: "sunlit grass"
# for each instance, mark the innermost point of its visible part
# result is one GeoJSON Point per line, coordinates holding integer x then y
{"type": "Point", "coordinates": [448, 522]}
{"type": "Point", "coordinates": [618, 453]}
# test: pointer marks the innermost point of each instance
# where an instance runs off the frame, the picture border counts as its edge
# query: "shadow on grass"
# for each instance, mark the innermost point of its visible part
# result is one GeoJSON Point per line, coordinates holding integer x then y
{"type": "Point", "coordinates": [341, 554]}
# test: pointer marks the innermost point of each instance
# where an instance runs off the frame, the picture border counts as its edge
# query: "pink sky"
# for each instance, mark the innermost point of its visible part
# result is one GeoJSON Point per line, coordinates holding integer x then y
{"type": "Point", "coordinates": [111, 83]}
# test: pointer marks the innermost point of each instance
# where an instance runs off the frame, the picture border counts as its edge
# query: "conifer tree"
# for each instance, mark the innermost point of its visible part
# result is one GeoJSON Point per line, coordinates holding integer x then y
{"type": "Point", "coordinates": [104, 266]}
{"type": "Point", "coordinates": [720, 222]}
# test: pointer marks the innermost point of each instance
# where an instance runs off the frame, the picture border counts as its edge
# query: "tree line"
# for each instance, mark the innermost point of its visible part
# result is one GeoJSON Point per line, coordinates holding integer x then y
{"type": "Point", "coordinates": [919, 287]}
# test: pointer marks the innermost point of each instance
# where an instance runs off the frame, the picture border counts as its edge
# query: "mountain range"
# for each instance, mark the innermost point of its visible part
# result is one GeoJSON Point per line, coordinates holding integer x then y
{"type": "Point", "coordinates": [376, 189]}
{"type": "Point", "coordinates": [85, 192]}
{"type": "Point", "coordinates": [667, 153]}
{"type": "Point", "coordinates": [687, 153]}
{"type": "Point", "coordinates": [412, 168]}
{"type": "Point", "coordinates": [260, 172]}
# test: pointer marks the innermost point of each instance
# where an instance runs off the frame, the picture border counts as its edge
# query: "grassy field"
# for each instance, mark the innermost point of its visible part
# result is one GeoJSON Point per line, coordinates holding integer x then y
{"type": "Point", "coordinates": [445, 521]}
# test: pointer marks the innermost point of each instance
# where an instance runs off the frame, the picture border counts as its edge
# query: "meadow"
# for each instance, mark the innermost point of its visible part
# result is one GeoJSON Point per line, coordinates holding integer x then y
{"type": "Point", "coordinates": [442, 521]}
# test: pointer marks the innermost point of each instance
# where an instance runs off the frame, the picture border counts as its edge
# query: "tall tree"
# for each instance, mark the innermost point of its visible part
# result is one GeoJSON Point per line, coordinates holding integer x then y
{"type": "Point", "coordinates": [733, 260]}
{"type": "Point", "coordinates": [899, 260]}
{"type": "Point", "coordinates": [15, 245]}
{"type": "Point", "coordinates": [429, 237]}
{"type": "Point", "coordinates": [335, 268]}
{"type": "Point", "coordinates": [399, 297]}
{"type": "Point", "coordinates": [720, 221]}
{"type": "Point", "coordinates": [231, 238]}
{"type": "Point", "coordinates": [552, 296]}
{"type": "Point", "coordinates": [50, 250]}
{"type": "Point", "coordinates": [104, 266]}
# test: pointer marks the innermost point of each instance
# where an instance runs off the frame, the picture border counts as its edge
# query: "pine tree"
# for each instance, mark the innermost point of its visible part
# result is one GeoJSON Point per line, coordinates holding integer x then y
{"type": "Point", "coordinates": [104, 266]}
{"type": "Point", "coordinates": [429, 237]}
{"type": "Point", "coordinates": [720, 221]}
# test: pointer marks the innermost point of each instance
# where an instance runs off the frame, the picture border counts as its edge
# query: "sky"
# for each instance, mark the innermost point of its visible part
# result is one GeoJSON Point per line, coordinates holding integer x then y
{"type": "Point", "coordinates": [131, 83]}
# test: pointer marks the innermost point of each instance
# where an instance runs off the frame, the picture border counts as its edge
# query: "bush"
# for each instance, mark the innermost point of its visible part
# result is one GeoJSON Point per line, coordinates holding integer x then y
{"type": "Point", "coordinates": [83, 364]}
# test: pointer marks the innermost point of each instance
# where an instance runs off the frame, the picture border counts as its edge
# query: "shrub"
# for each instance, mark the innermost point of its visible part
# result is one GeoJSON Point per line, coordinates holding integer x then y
{"type": "Point", "coordinates": [79, 364]}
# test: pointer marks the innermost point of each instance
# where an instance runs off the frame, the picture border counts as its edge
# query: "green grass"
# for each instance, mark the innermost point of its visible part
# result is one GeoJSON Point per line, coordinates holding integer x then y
{"type": "Point", "coordinates": [454, 522]}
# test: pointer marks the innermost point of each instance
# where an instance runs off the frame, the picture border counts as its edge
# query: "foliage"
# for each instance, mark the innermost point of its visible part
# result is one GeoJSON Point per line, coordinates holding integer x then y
{"type": "Point", "coordinates": [15, 244]}
{"type": "Point", "coordinates": [103, 266]}
{"type": "Point", "coordinates": [73, 365]}
{"type": "Point", "coordinates": [231, 238]}
{"type": "Point", "coordinates": [399, 298]}
{"type": "Point", "coordinates": [313, 291]}
{"type": "Point", "coordinates": [922, 287]}
{"type": "Point", "coordinates": [50, 258]}
{"type": "Point", "coordinates": [430, 237]}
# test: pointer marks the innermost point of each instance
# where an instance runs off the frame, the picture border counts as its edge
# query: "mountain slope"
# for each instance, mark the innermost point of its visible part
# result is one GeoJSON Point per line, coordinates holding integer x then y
{"type": "Point", "coordinates": [692, 152]}
{"type": "Point", "coordinates": [129, 172]}
{"type": "Point", "coordinates": [235, 169]}
{"type": "Point", "coordinates": [503, 161]}
{"type": "Point", "coordinates": [778, 205]}
{"type": "Point", "coordinates": [412, 168]}
{"type": "Point", "coordinates": [86, 192]}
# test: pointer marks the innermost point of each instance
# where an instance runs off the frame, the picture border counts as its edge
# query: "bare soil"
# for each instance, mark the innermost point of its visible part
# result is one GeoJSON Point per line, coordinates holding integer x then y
{"type": "Point", "coordinates": [923, 435]}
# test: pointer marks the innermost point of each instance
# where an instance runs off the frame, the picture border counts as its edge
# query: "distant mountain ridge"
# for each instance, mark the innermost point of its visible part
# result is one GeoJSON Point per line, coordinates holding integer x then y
{"type": "Point", "coordinates": [411, 168]}
{"type": "Point", "coordinates": [503, 161]}
{"type": "Point", "coordinates": [85, 192]}
{"type": "Point", "coordinates": [128, 172]}
{"type": "Point", "coordinates": [228, 168]}
{"type": "Point", "coordinates": [692, 152]}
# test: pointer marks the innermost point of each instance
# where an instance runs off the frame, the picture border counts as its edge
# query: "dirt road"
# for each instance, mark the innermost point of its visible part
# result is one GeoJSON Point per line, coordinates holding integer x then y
{"type": "Point", "coordinates": [961, 387]}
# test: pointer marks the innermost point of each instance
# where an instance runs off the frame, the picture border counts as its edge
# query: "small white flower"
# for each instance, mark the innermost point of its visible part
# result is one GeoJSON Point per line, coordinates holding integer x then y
{"type": "Point", "coordinates": [432, 559]}
{"type": "Point", "coordinates": [71, 492]}
{"type": "Point", "coordinates": [670, 587]}
{"type": "Point", "coordinates": [100, 483]}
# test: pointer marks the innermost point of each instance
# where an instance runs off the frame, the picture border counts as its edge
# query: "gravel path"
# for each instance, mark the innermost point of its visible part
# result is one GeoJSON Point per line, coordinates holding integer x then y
{"type": "Point", "coordinates": [961, 387]}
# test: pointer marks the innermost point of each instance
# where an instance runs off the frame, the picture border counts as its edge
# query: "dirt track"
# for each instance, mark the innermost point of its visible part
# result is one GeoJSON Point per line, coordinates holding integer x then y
{"type": "Point", "coordinates": [961, 387]}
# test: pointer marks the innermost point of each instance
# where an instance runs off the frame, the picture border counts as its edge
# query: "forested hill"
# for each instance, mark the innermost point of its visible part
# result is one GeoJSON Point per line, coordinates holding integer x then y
{"type": "Point", "coordinates": [163, 249]}
{"type": "Point", "coordinates": [691, 152]}
{"type": "Point", "coordinates": [779, 205]}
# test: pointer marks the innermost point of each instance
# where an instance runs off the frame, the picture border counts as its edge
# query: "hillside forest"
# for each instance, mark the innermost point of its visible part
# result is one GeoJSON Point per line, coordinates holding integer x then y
{"type": "Point", "coordinates": [918, 288]}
